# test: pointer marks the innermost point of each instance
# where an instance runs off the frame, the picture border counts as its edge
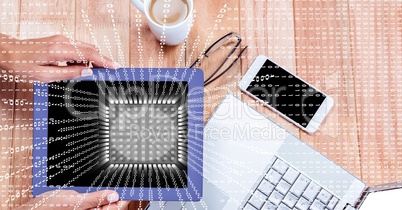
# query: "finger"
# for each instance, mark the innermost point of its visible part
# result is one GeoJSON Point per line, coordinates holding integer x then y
{"type": "Point", "coordinates": [50, 39]}
{"type": "Point", "coordinates": [84, 44]}
{"type": "Point", "coordinates": [120, 205]}
{"type": "Point", "coordinates": [68, 52]}
{"type": "Point", "coordinates": [47, 194]}
{"type": "Point", "coordinates": [53, 73]}
{"type": "Point", "coordinates": [80, 53]}
{"type": "Point", "coordinates": [65, 198]}
{"type": "Point", "coordinates": [99, 198]}
{"type": "Point", "coordinates": [60, 39]}
{"type": "Point", "coordinates": [98, 59]}
{"type": "Point", "coordinates": [57, 38]}
{"type": "Point", "coordinates": [65, 40]}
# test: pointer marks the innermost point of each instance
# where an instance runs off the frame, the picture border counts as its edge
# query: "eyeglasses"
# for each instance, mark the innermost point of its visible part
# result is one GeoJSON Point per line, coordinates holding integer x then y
{"type": "Point", "coordinates": [216, 45]}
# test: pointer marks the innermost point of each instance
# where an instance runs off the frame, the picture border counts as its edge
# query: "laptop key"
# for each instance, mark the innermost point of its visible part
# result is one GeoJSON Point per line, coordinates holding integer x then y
{"type": "Point", "coordinates": [324, 196]}
{"type": "Point", "coordinates": [249, 207]}
{"type": "Point", "coordinates": [302, 204]}
{"type": "Point", "coordinates": [291, 175]}
{"type": "Point", "coordinates": [280, 166]}
{"type": "Point", "coordinates": [269, 206]}
{"type": "Point", "coordinates": [275, 198]}
{"type": "Point", "coordinates": [257, 199]}
{"type": "Point", "coordinates": [311, 191]}
{"type": "Point", "coordinates": [332, 203]}
{"type": "Point", "coordinates": [300, 185]}
{"type": "Point", "coordinates": [290, 200]}
{"type": "Point", "coordinates": [283, 187]}
{"type": "Point", "coordinates": [266, 187]}
{"type": "Point", "coordinates": [317, 205]}
{"type": "Point", "coordinates": [283, 207]}
{"type": "Point", "coordinates": [273, 176]}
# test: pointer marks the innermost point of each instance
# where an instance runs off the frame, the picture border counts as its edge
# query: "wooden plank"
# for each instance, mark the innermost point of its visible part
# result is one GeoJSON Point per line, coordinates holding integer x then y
{"type": "Point", "coordinates": [46, 18]}
{"type": "Point", "coordinates": [22, 143]}
{"type": "Point", "coordinates": [9, 11]}
{"type": "Point", "coordinates": [269, 31]}
{"type": "Point", "coordinates": [6, 138]}
{"type": "Point", "coordinates": [323, 59]}
{"type": "Point", "coordinates": [376, 43]}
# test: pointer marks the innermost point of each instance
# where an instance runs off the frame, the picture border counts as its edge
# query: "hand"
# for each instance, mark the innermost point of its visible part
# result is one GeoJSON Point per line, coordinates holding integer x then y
{"type": "Point", "coordinates": [70, 199]}
{"type": "Point", "coordinates": [41, 58]}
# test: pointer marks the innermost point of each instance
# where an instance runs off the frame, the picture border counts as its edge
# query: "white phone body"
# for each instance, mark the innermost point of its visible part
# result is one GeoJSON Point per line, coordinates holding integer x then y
{"type": "Point", "coordinates": [318, 116]}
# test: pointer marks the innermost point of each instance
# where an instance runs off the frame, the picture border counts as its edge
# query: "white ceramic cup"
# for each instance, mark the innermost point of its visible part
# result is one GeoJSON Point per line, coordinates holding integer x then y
{"type": "Point", "coordinates": [172, 34]}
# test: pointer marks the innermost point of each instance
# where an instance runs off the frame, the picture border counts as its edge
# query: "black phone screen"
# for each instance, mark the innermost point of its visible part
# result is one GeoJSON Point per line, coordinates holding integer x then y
{"type": "Point", "coordinates": [286, 93]}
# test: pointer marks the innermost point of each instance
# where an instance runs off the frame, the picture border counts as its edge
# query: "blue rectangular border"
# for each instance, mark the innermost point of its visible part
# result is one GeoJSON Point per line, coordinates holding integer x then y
{"type": "Point", "coordinates": [195, 79]}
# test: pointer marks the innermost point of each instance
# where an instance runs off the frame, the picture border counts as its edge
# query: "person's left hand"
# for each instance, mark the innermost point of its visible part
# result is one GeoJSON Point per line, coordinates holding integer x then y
{"type": "Point", "coordinates": [41, 58]}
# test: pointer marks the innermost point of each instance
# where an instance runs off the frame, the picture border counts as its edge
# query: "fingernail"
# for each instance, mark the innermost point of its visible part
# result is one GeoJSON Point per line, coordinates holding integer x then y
{"type": "Point", "coordinates": [113, 197]}
{"type": "Point", "coordinates": [117, 65]}
{"type": "Point", "coordinates": [86, 72]}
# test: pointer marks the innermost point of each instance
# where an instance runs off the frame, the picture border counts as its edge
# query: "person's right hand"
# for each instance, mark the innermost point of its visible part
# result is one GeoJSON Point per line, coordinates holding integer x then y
{"type": "Point", "coordinates": [70, 199]}
{"type": "Point", "coordinates": [41, 58]}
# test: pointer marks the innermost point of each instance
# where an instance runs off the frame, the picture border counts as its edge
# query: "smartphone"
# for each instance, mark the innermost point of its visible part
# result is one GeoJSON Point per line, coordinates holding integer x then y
{"type": "Point", "coordinates": [287, 94]}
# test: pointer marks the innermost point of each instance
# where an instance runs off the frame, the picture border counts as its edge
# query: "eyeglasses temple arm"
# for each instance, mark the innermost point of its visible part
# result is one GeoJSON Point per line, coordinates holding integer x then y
{"type": "Point", "coordinates": [209, 80]}
{"type": "Point", "coordinates": [224, 61]}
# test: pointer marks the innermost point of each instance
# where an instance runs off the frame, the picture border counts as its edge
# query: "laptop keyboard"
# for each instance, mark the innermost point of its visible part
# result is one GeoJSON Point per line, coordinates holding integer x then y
{"type": "Point", "coordinates": [283, 188]}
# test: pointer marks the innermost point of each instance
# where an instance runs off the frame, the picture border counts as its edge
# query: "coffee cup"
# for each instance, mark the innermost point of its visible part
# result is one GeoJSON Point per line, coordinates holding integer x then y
{"type": "Point", "coordinates": [169, 20]}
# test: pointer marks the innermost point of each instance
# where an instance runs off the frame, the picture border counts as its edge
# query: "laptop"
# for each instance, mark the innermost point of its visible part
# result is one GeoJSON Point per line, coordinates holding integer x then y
{"type": "Point", "coordinates": [252, 163]}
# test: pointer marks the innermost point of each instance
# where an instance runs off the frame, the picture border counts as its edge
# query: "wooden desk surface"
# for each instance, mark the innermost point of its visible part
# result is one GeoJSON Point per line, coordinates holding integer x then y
{"type": "Point", "coordinates": [351, 50]}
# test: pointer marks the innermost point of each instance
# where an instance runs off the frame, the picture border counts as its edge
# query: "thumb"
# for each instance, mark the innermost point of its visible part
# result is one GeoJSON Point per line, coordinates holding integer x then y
{"type": "Point", "coordinates": [99, 198]}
